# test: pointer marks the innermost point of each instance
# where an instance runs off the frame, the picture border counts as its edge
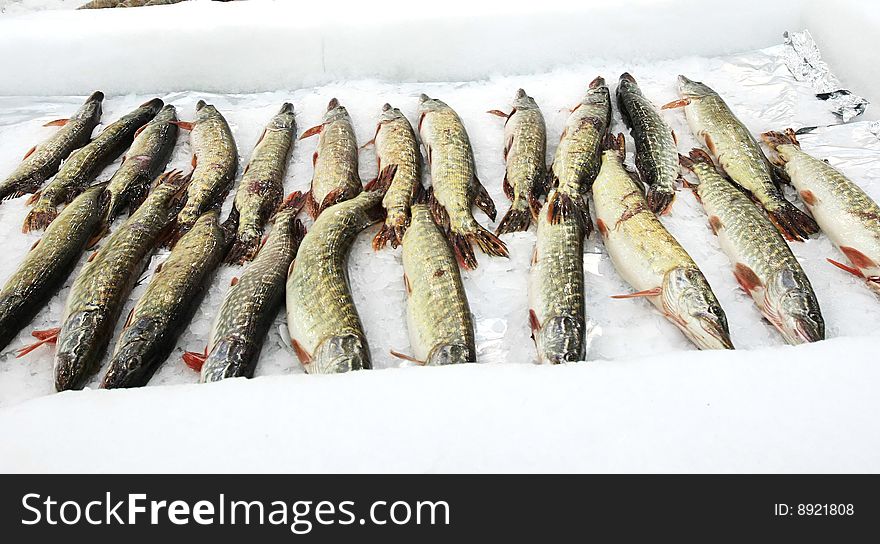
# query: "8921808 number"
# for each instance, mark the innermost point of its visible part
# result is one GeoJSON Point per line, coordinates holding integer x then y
{"type": "Point", "coordinates": [814, 509]}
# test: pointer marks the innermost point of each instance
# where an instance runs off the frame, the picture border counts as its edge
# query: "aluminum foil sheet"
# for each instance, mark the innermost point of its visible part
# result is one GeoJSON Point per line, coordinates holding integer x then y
{"type": "Point", "coordinates": [803, 58]}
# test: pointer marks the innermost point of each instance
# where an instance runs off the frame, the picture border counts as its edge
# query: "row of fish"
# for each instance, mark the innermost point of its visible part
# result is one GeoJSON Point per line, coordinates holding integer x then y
{"type": "Point", "coordinates": [435, 226]}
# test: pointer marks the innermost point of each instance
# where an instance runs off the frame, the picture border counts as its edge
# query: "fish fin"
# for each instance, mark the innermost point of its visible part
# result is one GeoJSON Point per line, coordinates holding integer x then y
{"type": "Point", "coordinates": [407, 357]}
{"type": "Point", "coordinates": [295, 200]}
{"type": "Point", "coordinates": [100, 233]}
{"type": "Point", "coordinates": [746, 278]}
{"type": "Point", "coordinates": [33, 198]}
{"type": "Point", "coordinates": [29, 153]}
{"type": "Point", "coordinates": [659, 200]}
{"type": "Point", "coordinates": [406, 285]}
{"type": "Point", "coordinates": [57, 123]}
{"type": "Point", "coordinates": [499, 113]}
{"type": "Point", "coordinates": [35, 244]}
{"type": "Point", "coordinates": [138, 133]}
{"type": "Point", "coordinates": [792, 222]}
{"type": "Point", "coordinates": [562, 206]}
{"type": "Point", "coordinates": [483, 201]}
{"type": "Point", "coordinates": [40, 216]}
{"type": "Point", "coordinates": [508, 189]}
{"type": "Point", "coordinates": [46, 336]}
{"type": "Point", "coordinates": [243, 249]}
{"type": "Point", "coordinates": [301, 353]}
{"type": "Point", "coordinates": [158, 267]}
{"type": "Point", "coordinates": [487, 242]}
{"type": "Point", "coordinates": [311, 205]}
{"type": "Point", "coordinates": [368, 143]}
{"type": "Point", "coordinates": [92, 256]}
{"type": "Point", "coordinates": [311, 132]}
{"type": "Point", "coordinates": [195, 161]}
{"type": "Point", "coordinates": [852, 270]}
{"type": "Point", "coordinates": [517, 219]}
{"type": "Point", "coordinates": [234, 281]}
{"type": "Point", "coordinates": [809, 197]}
{"type": "Point", "coordinates": [386, 234]}
{"type": "Point", "coordinates": [383, 180]}
{"type": "Point", "coordinates": [646, 293]}
{"type": "Point", "coordinates": [128, 319]}
{"type": "Point", "coordinates": [774, 139]}
{"type": "Point", "coordinates": [534, 322]}
{"type": "Point", "coordinates": [195, 360]}
{"type": "Point", "coordinates": [674, 137]}
{"type": "Point", "coordinates": [185, 125]}
{"type": "Point", "coordinates": [857, 258]}
{"type": "Point", "coordinates": [333, 197]}
{"type": "Point", "coordinates": [680, 103]}
{"type": "Point", "coordinates": [370, 185]}
{"type": "Point", "coordinates": [715, 224]}
{"type": "Point", "coordinates": [603, 228]}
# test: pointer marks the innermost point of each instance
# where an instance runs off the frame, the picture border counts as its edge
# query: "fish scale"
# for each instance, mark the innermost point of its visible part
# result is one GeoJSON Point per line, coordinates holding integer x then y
{"type": "Point", "coordinates": [43, 160]}
{"type": "Point", "coordinates": [763, 263]}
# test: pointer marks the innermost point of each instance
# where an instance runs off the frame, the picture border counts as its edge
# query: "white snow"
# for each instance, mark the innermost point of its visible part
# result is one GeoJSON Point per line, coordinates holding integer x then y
{"type": "Point", "coordinates": [646, 401]}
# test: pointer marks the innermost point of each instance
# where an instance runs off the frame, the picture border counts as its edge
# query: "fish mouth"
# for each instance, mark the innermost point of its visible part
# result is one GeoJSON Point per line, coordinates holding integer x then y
{"type": "Point", "coordinates": [520, 93]}
{"type": "Point", "coordinates": [200, 104]}
{"type": "Point", "coordinates": [709, 333]}
{"type": "Point", "coordinates": [807, 330]}
{"type": "Point", "coordinates": [333, 104]}
{"type": "Point", "coordinates": [448, 354]}
{"type": "Point", "coordinates": [69, 374]}
{"type": "Point", "coordinates": [155, 104]}
{"type": "Point", "coordinates": [287, 107]}
{"type": "Point", "coordinates": [96, 96]}
{"type": "Point", "coordinates": [626, 76]}
{"type": "Point", "coordinates": [598, 82]}
{"type": "Point", "coordinates": [386, 106]}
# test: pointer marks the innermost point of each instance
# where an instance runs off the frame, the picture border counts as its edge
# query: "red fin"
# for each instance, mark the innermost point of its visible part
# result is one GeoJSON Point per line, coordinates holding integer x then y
{"type": "Point", "coordinates": [483, 201]}
{"type": "Point", "coordinates": [195, 360]}
{"type": "Point", "coordinates": [710, 144]}
{"type": "Point", "coordinates": [680, 103]}
{"type": "Point", "coordinates": [331, 198]}
{"type": "Point", "coordinates": [674, 137]}
{"type": "Point", "coordinates": [746, 277]}
{"type": "Point", "coordinates": [534, 322]}
{"type": "Point", "coordinates": [368, 143]}
{"type": "Point", "coordinates": [92, 256]}
{"type": "Point", "coordinates": [311, 132]}
{"type": "Point", "coordinates": [508, 189]}
{"type": "Point", "coordinates": [57, 123]}
{"type": "Point", "coordinates": [128, 319]}
{"type": "Point", "coordinates": [857, 258]}
{"type": "Point", "coordinates": [406, 357]}
{"type": "Point", "coordinates": [159, 267]}
{"type": "Point", "coordinates": [301, 352]}
{"type": "Point", "coordinates": [808, 197]}
{"type": "Point", "coordinates": [46, 336]}
{"type": "Point", "coordinates": [499, 113]}
{"type": "Point", "coordinates": [603, 228]}
{"type": "Point", "coordinates": [234, 281]}
{"type": "Point", "coordinates": [36, 244]}
{"type": "Point", "coordinates": [93, 241]}
{"type": "Point", "coordinates": [406, 284]}
{"type": "Point", "coordinates": [29, 153]}
{"type": "Point", "coordinates": [715, 224]}
{"type": "Point", "coordinates": [194, 162]}
{"type": "Point", "coordinates": [535, 255]}
{"type": "Point", "coordinates": [185, 125]}
{"type": "Point", "coordinates": [646, 293]}
{"type": "Point", "coordinates": [850, 269]}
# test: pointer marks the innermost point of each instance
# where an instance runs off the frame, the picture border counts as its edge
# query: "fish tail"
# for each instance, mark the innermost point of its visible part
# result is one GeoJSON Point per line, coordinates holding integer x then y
{"type": "Point", "coordinates": [391, 231]}
{"type": "Point", "coordinates": [563, 207]}
{"type": "Point", "coordinates": [40, 216]}
{"type": "Point", "coordinates": [244, 248]}
{"type": "Point", "coordinates": [774, 139]}
{"type": "Point", "coordinates": [792, 222]}
{"type": "Point", "coordinates": [660, 199]}
{"type": "Point", "coordinates": [517, 219]}
{"type": "Point", "coordinates": [464, 252]}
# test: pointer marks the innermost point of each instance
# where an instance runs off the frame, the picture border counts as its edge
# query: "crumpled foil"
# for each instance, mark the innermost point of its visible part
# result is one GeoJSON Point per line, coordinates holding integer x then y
{"type": "Point", "coordinates": [802, 57]}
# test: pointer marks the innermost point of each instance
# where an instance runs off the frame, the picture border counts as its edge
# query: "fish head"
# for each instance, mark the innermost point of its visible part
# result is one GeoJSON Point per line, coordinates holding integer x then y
{"type": "Point", "coordinates": [92, 108]}
{"type": "Point", "coordinates": [690, 303]}
{"type": "Point", "coordinates": [597, 93]}
{"type": "Point", "coordinates": [449, 354]}
{"type": "Point", "coordinates": [205, 111]}
{"type": "Point", "coordinates": [522, 101]}
{"type": "Point", "coordinates": [795, 311]}
{"type": "Point", "coordinates": [428, 104]}
{"type": "Point", "coordinates": [689, 88]}
{"type": "Point", "coordinates": [153, 106]}
{"type": "Point", "coordinates": [284, 119]}
{"type": "Point", "coordinates": [341, 353]}
{"type": "Point", "coordinates": [79, 350]}
{"type": "Point", "coordinates": [229, 357]}
{"type": "Point", "coordinates": [560, 340]}
{"type": "Point", "coordinates": [335, 112]}
{"type": "Point", "coordinates": [389, 113]}
{"type": "Point", "coordinates": [627, 83]}
{"type": "Point", "coordinates": [167, 114]}
{"type": "Point", "coordinates": [131, 364]}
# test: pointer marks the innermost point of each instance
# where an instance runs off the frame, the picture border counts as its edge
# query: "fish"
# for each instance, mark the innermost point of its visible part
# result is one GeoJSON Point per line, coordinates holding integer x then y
{"type": "Point", "coordinates": [50, 261]}
{"type": "Point", "coordinates": [41, 162]}
{"type": "Point", "coordinates": [396, 144]}
{"type": "Point", "coordinates": [848, 216]}
{"type": "Point", "coordinates": [325, 329]}
{"type": "Point", "coordinates": [556, 290]}
{"type": "Point", "coordinates": [262, 184]}
{"type": "Point", "coordinates": [103, 4]}
{"type": "Point", "coordinates": [740, 157]}
{"type": "Point", "coordinates": [763, 264]}
{"type": "Point", "coordinates": [456, 188]}
{"type": "Point", "coordinates": [145, 159]}
{"type": "Point", "coordinates": [174, 293]}
{"type": "Point", "coordinates": [578, 156]}
{"type": "Point", "coordinates": [100, 290]}
{"type": "Point", "coordinates": [335, 161]}
{"type": "Point", "coordinates": [525, 153]}
{"type": "Point", "coordinates": [656, 151]}
{"type": "Point", "coordinates": [650, 259]}
{"type": "Point", "coordinates": [215, 162]}
{"type": "Point", "coordinates": [441, 330]}
{"type": "Point", "coordinates": [252, 302]}
{"type": "Point", "coordinates": [83, 165]}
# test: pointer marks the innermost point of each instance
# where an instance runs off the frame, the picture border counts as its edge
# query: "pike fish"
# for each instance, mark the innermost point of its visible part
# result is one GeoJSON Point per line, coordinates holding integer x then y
{"type": "Point", "coordinates": [763, 264]}
{"type": "Point", "coordinates": [648, 258]}
{"type": "Point", "coordinates": [146, 158]}
{"type": "Point", "coordinates": [455, 185]}
{"type": "Point", "coordinates": [396, 145]}
{"type": "Point", "coordinates": [251, 303]}
{"type": "Point", "coordinates": [262, 185]}
{"type": "Point", "coordinates": [556, 290]}
{"type": "Point", "coordinates": [438, 316]}
{"type": "Point", "coordinates": [215, 161]}
{"type": "Point", "coordinates": [167, 306]}
{"type": "Point", "coordinates": [740, 156]}
{"type": "Point", "coordinates": [84, 165]}
{"type": "Point", "coordinates": [100, 291]}
{"type": "Point", "coordinates": [42, 161]}
{"type": "Point", "coordinates": [578, 156]}
{"type": "Point", "coordinates": [324, 325]}
{"type": "Point", "coordinates": [656, 152]}
{"type": "Point", "coordinates": [50, 261]}
{"type": "Point", "coordinates": [525, 153]}
{"type": "Point", "coordinates": [846, 214]}
{"type": "Point", "coordinates": [335, 161]}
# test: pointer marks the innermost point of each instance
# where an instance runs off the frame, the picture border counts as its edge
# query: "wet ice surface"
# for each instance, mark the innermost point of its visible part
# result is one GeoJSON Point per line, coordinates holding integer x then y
{"type": "Point", "coordinates": [756, 86]}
